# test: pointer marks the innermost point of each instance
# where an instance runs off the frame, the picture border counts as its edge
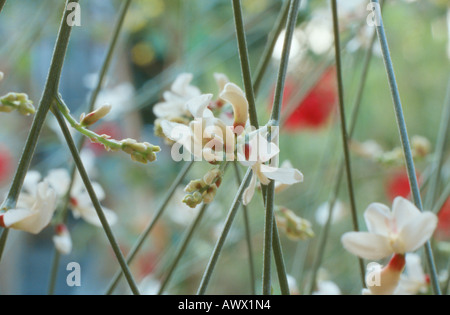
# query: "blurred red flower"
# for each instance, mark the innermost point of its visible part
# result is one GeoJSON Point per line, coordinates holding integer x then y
{"type": "Point", "coordinates": [108, 128]}
{"type": "Point", "coordinates": [6, 163]}
{"type": "Point", "coordinates": [313, 112]}
{"type": "Point", "coordinates": [398, 185]}
{"type": "Point", "coordinates": [443, 227]}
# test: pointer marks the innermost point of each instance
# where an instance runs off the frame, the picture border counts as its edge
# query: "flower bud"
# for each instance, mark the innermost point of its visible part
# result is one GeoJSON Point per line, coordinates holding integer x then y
{"type": "Point", "coordinates": [235, 96]}
{"type": "Point", "coordinates": [212, 176]}
{"type": "Point", "coordinates": [17, 101]}
{"type": "Point", "coordinates": [93, 117]}
{"type": "Point", "coordinates": [62, 239]}
{"type": "Point", "coordinates": [194, 185]}
{"type": "Point", "coordinates": [421, 146]}
{"type": "Point", "coordinates": [296, 228]}
{"type": "Point", "coordinates": [210, 194]}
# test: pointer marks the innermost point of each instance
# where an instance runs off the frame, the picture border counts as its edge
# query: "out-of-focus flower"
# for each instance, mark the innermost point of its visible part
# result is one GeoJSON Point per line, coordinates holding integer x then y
{"type": "Point", "coordinates": [384, 280]}
{"type": "Point", "coordinates": [367, 149]}
{"type": "Point", "coordinates": [443, 227]}
{"type": "Point", "coordinates": [398, 184]}
{"type": "Point", "coordinates": [261, 151]}
{"type": "Point", "coordinates": [339, 212]}
{"type": "Point", "coordinates": [6, 162]}
{"type": "Point", "coordinates": [80, 202]}
{"type": "Point", "coordinates": [35, 206]}
{"type": "Point", "coordinates": [180, 93]}
{"type": "Point", "coordinates": [326, 287]}
{"type": "Point", "coordinates": [403, 230]}
{"type": "Point", "coordinates": [62, 239]}
{"type": "Point", "coordinates": [296, 228]}
{"type": "Point", "coordinates": [149, 285]}
{"type": "Point", "coordinates": [293, 287]}
{"type": "Point", "coordinates": [415, 280]}
{"type": "Point", "coordinates": [420, 146]}
{"type": "Point", "coordinates": [314, 111]}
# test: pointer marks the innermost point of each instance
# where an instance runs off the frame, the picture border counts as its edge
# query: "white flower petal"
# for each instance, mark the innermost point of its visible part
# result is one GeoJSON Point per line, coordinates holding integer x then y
{"type": "Point", "coordinates": [418, 231]}
{"type": "Point", "coordinates": [366, 245]}
{"type": "Point", "coordinates": [89, 214]}
{"type": "Point", "coordinates": [197, 105]}
{"type": "Point", "coordinates": [288, 176]}
{"type": "Point", "coordinates": [182, 86]}
{"type": "Point", "coordinates": [249, 191]}
{"type": "Point", "coordinates": [59, 180]}
{"type": "Point", "coordinates": [264, 149]}
{"type": "Point", "coordinates": [236, 97]}
{"type": "Point", "coordinates": [221, 80]}
{"type": "Point", "coordinates": [63, 243]}
{"type": "Point", "coordinates": [378, 219]}
{"type": "Point", "coordinates": [404, 211]}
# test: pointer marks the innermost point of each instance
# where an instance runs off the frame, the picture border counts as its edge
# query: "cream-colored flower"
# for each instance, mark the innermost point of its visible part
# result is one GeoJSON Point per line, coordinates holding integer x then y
{"type": "Point", "coordinates": [35, 207]}
{"type": "Point", "coordinates": [261, 151]}
{"type": "Point", "coordinates": [403, 230]}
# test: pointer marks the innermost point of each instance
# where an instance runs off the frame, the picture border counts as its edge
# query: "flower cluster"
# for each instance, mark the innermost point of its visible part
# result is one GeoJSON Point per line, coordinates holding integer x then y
{"type": "Point", "coordinates": [370, 149]}
{"type": "Point", "coordinates": [296, 228]}
{"type": "Point", "coordinates": [17, 101]}
{"type": "Point", "coordinates": [203, 190]}
{"type": "Point", "coordinates": [218, 130]}
{"type": "Point", "coordinates": [396, 233]}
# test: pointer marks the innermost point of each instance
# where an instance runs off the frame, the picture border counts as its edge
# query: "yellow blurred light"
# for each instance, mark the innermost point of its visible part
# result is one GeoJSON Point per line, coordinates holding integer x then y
{"type": "Point", "coordinates": [142, 54]}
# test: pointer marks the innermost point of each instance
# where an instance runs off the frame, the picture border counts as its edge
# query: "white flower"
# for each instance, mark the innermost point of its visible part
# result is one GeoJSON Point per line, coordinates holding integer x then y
{"type": "Point", "coordinates": [149, 285]}
{"type": "Point", "coordinates": [174, 100]}
{"type": "Point", "coordinates": [384, 280]}
{"type": "Point", "coordinates": [261, 151]}
{"type": "Point", "coordinates": [62, 240]}
{"type": "Point", "coordinates": [415, 280]}
{"type": "Point", "coordinates": [403, 230]}
{"type": "Point", "coordinates": [35, 207]}
{"type": "Point", "coordinates": [204, 135]}
{"type": "Point", "coordinates": [339, 212]}
{"type": "Point", "coordinates": [292, 284]}
{"type": "Point", "coordinates": [80, 201]}
{"type": "Point", "coordinates": [327, 287]}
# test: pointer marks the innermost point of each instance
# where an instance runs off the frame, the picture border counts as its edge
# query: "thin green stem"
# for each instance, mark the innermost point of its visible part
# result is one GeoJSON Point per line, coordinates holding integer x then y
{"type": "Point", "coordinates": [109, 54]}
{"type": "Point", "coordinates": [184, 245]}
{"type": "Point", "coordinates": [281, 79]}
{"type": "Point", "coordinates": [98, 208]}
{"type": "Point", "coordinates": [51, 87]}
{"type": "Point", "coordinates": [271, 42]}
{"type": "Point", "coordinates": [2, 4]}
{"type": "Point", "coordinates": [345, 144]}
{"type": "Point", "coordinates": [3, 239]}
{"type": "Point", "coordinates": [159, 212]}
{"type": "Point", "coordinates": [275, 118]}
{"type": "Point", "coordinates": [245, 63]}
{"type": "Point", "coordinates": [104, 68]}
{"type": "Point", "coordinates": [404, 139]}
{"type": "Point", "coordinates": [279, 260]}
{"type": "Point", "coordinates": [442, 199]}
{"type": "Point", "coordinates": [226, 229]}
{"type": "Point", "coordinates": [248, 235]}
{"type": "Point", "coordinates": [438, 157]}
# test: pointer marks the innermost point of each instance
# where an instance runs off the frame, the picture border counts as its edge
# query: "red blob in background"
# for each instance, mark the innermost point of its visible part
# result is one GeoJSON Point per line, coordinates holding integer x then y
{"type": "Point", "coordinates": [443, 227]}
{"type": "Point", "coordinates": [314, 111]}
{"type": "Point", "coordinates": [108, 128]}
{"type": "Point", "coordinates": [6, 164]}
{"type": "Point", "coordinates": [398, 185]}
